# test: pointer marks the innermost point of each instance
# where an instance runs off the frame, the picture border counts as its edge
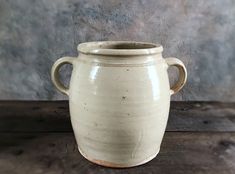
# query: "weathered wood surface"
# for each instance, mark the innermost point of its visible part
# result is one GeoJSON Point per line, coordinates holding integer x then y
{"type": "Point", "coordinates": [56, 153]}
{"type": "Point", "coordinates": [53, 116]}
{"type": "Point", "coordinates": [36, 137]}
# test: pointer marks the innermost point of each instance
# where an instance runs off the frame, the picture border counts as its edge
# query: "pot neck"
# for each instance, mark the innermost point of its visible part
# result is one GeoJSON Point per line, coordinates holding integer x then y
{"type": "Point", "coordinates": [106, 60]}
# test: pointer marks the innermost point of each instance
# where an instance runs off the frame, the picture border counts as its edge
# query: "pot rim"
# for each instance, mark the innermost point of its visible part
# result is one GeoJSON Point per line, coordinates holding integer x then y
{"type": "Point", "coordinates": [119, 48]}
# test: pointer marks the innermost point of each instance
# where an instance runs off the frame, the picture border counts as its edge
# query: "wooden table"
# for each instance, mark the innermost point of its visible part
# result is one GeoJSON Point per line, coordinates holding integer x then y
{"type": "Point", "coordinates": [36, 137]}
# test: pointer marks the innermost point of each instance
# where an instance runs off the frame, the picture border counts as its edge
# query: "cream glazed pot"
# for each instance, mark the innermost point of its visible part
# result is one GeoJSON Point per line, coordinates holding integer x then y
{"type": "Point", "coordinates": [119, 99]}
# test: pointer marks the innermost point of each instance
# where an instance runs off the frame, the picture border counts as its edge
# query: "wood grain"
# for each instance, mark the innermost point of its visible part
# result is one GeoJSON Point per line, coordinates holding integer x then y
{"type": "Point", "coordinates": [53, 116]}
{"type": "Point", "coordinates": [55, 153]}
{"type": "Point", "coordinates": [36, 137]}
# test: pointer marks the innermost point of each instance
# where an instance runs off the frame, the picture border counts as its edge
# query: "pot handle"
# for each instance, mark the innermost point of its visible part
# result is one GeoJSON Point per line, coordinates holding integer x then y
{"type": "Point", "coordinates": [55, 73]}
{"type": "Point", "coordinates": [182, 74]}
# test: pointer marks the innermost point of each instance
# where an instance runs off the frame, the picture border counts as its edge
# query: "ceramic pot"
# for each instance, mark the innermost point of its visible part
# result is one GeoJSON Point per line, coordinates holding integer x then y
{"type": "Point", "coordinates": [119, 99]}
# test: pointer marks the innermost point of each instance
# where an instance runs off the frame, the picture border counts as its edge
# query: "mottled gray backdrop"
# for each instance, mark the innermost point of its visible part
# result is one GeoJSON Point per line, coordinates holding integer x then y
{"type": "Point", "coordinates": [33, 34]}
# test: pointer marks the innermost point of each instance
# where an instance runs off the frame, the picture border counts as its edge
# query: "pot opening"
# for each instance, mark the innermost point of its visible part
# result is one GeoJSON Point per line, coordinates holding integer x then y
{"type": "Point", "coordinates": [127, 46]}
{"type": "Point", "coordinates": [119, 48]}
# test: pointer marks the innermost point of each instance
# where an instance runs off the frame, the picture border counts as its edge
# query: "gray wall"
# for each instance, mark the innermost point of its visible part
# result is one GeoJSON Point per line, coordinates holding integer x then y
{"type": "Point", "coordinates": [33, 34]}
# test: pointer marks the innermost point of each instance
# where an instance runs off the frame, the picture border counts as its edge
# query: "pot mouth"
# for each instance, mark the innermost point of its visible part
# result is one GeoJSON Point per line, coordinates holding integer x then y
{"type": "Point", "coordinates": [119, 48]}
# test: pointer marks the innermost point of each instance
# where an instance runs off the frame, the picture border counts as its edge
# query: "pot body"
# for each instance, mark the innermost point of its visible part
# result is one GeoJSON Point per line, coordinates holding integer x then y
{"type": "Point", "coordinates": [119, 108]}
{"type": "Point", "coordinates": [119, 104]}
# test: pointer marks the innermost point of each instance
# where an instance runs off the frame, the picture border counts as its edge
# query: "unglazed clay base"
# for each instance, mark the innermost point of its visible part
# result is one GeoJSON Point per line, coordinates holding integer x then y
{"type": "Point", "coordinates": [113, 165]}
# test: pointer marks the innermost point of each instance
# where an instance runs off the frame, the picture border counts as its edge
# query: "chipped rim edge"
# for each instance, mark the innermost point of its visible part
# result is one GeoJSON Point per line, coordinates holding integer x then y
{"type": "Point", "coordinates": [114, 165]}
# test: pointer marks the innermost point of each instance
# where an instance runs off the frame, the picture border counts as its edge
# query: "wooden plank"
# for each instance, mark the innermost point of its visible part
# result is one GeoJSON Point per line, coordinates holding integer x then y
{"type": "Point", "coordinates": [34, 116]}
{"type": "Point", "coordinates": [202, 116]}
{"type": "Point", "coordinates": [55, 153]}
{"type": "Point", "coordinates": [53, 116]}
